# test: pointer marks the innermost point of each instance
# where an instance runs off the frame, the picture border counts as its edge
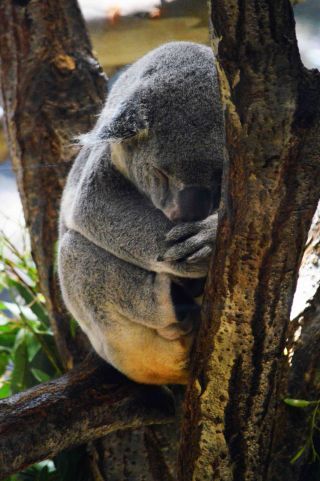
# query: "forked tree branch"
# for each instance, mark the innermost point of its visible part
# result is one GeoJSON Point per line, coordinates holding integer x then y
{"type": "Point", "coordinates": [88, 402]}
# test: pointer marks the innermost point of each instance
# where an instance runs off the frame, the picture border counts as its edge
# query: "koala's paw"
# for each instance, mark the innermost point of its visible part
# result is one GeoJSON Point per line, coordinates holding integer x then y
{"type": "Point", "coordinates": [190, 245]}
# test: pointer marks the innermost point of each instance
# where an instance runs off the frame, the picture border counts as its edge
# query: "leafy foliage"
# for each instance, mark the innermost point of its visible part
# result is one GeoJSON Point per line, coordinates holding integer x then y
{"type": "Point", "coordinates": [27, 350]}
{"type": "Point", "coordinates": [309, 448]}
{"type": "Point", "coordinates": [28, 355]}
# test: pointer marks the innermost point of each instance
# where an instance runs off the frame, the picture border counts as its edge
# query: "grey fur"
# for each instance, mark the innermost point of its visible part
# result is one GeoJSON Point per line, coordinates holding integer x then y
{"type": "Point", "coordinates": [133, 229]}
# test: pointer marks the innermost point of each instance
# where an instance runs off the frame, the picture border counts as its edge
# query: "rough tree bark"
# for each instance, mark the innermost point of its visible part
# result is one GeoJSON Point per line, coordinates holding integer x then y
{"type": "Point", "coordinates": [235, 417]}
{"type": "Point", "coordinates": [51, 89]}
{"type": "Point", "coordinates": [303, 377]}
{"type": "Point", "coordinates": [88, 402]}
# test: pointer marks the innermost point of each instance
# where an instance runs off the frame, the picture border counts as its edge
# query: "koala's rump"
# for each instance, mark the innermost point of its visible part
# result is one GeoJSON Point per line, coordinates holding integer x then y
{"type": "Point", "coordinates": [98, 288]}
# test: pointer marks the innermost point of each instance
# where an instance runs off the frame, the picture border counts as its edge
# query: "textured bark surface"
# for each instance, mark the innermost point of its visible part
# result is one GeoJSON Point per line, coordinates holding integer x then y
{"type": "Point", "coordinates": [235, 417]}
{"type": "Point", "coordinates": [304, 382]}
{"type": "Point", "coordinates": [141, 455]}
{"type": "Point", "coordinates": [88, 402]}
{"type": "Point", "coordinates": [51, 89]}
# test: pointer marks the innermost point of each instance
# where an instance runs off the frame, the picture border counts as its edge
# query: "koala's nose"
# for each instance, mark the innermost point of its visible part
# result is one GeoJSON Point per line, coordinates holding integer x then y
{"type": "Point", "coordinates": [194, 203]}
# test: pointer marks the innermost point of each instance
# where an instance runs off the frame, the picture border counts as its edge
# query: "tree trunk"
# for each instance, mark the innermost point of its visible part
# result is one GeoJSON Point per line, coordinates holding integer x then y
{"type": "Point", "coordinates": [234, 421]}
{"type": "Point", "coordinates": [51, 89]}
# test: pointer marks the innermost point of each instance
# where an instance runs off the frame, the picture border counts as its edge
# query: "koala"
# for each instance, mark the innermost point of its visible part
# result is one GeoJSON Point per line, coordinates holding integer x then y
{"type": "Point", "coordinates": [139, 213]}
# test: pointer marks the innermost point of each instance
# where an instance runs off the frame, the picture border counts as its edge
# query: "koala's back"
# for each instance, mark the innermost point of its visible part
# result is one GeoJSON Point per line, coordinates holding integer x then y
{"type": "Point", "coordinates": [168, 63]}
{"type": "Point", "coordinates": [168, 79]}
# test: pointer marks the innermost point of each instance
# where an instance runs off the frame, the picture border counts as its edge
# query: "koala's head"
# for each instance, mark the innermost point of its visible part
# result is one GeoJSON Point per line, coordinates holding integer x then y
{"type": "Point", "coordinates": [164, 122]}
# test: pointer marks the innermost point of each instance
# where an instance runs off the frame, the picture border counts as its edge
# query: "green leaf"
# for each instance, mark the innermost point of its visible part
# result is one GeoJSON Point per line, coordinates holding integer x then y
{"type": "Point", "coordinates": [41, 361]}
{"type": "Point", "coordinates": [8, 336]}
{"type": "Point", "coordinates": [297, 455]}
{"type": "Point", "coordinates": [30, 299]}
{"type": "Point", "coordinates": [298, 403]}
{"type": "Point", "coordinates": [44, 474]}
{"type": "Point", "coordinates": [33, 346]}
{"type": "Point", "coordinates": [5, 390]}
{"type": "Point", "coordinates": [20, 364]}
{"type": "Point", "coordinates": [4, 360]}
{"type": "Point", "coordinates": [40, 375]}
{"type": "Point", "coordinates": [29, 474]}
{"type": "Point", "coordinates": [73, 327]}
{"type": "Point", "coordinates": [43, 471]}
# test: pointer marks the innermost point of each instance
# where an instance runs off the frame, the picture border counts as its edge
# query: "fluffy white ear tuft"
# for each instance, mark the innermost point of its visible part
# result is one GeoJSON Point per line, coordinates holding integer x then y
{"type": "Point", "coordinates": [88, 140]}
{"type": "Point", "coordinates": [127, 121]}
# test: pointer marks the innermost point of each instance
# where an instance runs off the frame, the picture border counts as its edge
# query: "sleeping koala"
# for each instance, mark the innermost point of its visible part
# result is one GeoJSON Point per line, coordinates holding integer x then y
{"type": "Point", "coordinates": [139, 213]}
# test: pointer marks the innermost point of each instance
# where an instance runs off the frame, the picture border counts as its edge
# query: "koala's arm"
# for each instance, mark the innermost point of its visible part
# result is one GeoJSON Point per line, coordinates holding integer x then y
{"type": "Point", "coordinates": [103, 206]}
{"type": "Point", "coordinates": [98, 285]}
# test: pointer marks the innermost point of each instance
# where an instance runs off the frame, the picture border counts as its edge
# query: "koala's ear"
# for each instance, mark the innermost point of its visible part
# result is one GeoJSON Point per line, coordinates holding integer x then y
{"type": "Point", "coordinates": [127, 121]}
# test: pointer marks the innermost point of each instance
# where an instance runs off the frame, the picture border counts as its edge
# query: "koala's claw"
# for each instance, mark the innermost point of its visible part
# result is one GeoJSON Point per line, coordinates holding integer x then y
{"type": "Point", "coordinates": [189, 246]}
{"type": "Point", "coordinates": [186, 248]}
{"type": "Point", "coordinates": [186, 230]}
{"type": "Point", "coordinates": [191, 242]}
{"type": "Point", "coordinates": [182, 232]}
{"type": "Point", "coordinates": [200, 255]}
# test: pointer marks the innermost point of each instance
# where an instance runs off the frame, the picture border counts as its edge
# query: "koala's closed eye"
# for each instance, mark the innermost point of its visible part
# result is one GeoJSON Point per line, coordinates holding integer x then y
{"type": "Point", "coordinates": [162, 177]}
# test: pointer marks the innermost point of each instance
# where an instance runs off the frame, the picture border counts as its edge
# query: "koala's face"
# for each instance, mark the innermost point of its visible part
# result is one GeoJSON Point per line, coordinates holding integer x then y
{"type": "Point", "coordinates": [179, 200]}
{"type": "Point", "coordinates": [166, 130]}
{"type": "Point", "coordinates": [182, 179]}
{"type": "Point", "coordinates": [183, 201]}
